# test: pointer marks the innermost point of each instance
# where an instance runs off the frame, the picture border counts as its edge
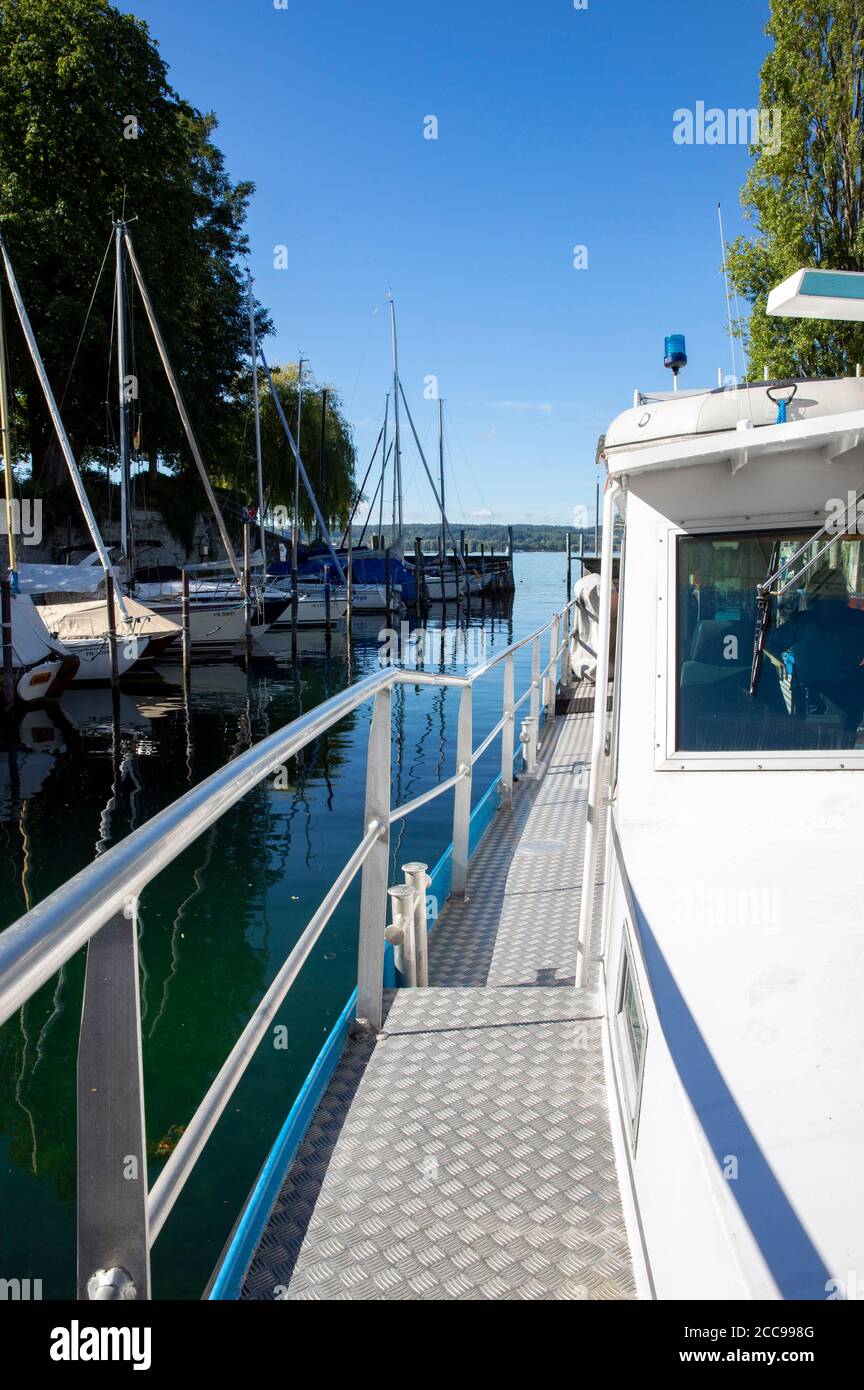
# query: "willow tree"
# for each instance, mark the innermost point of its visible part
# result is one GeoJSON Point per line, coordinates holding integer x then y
{"type": "Point", "coordinates": [89, 124]}
{"type": "Point", "coordinates": [238, 470]}
{"type": "Point", "coordinates": [805, 196]}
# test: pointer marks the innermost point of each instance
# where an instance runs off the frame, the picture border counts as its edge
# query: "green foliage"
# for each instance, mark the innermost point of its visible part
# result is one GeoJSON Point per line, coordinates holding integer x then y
{"type": "Point", "coordinates": [278, 460]}
{"type": "Point", "coordinates": [807, 197]}
{"type": "Point", "coordinates": [72, 77]}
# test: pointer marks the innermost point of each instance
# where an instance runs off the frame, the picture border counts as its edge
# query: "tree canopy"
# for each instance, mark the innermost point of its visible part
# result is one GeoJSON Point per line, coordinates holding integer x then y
{"type": "Point", "coordinates": [89, 125]}
{"type": "Point", "coordinates": [806, 197]}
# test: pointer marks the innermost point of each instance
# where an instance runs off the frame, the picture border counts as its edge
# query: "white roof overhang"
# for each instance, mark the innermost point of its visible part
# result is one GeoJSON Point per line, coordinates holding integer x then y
{"type": "Point", "coordinates": [833, 435]}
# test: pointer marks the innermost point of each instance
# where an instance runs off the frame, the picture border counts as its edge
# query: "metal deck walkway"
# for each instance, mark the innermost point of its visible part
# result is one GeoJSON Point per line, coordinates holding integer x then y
{"type": "Point", "coordinates": [467, 1154]}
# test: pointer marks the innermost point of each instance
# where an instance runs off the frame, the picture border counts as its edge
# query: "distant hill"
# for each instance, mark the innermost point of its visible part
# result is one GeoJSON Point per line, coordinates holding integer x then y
{"type": "Point", "coordinates": [524, 537]}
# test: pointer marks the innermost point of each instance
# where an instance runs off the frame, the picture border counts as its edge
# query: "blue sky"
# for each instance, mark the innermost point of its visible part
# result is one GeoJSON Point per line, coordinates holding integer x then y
{"type": "Point", "coordinates": [554, 130]}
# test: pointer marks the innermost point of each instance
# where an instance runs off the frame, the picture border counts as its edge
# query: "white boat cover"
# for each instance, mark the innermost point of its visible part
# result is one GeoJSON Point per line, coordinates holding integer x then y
{"type": "Point", "coordinates": [31, 641]}
{"type": "Point", "coordinates": [87, 620]}
{"type": "Point", "coordinates": [60, 579]}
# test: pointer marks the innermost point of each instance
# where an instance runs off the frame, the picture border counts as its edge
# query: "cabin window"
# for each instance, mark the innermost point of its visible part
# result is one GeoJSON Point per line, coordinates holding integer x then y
{"type": "Point", "coordinates": [810, 692]}
{"type": "Point", "coordinates": [630, 1021]}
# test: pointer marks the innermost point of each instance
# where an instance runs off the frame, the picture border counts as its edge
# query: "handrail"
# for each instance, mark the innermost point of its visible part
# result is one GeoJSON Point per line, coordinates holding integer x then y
{"type": "Point", "coordinates": [171, 1180]}
{"type": "Point", "coordinates": [35, 947]}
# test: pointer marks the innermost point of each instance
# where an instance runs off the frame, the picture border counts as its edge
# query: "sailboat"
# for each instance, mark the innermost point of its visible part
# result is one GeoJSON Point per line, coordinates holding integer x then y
{"type": "Point", "coordinates": [80, 628]}
{"type": "Point", "coordinates": [41, 668]}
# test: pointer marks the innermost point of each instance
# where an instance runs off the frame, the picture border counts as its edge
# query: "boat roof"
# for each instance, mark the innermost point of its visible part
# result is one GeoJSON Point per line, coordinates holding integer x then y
{"type": "Point", "coordinates": [736, 425]}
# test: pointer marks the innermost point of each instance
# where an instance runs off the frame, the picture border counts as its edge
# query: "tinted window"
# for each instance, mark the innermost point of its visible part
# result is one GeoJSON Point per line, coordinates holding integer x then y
{"type": "Point", "coordinates": [810, 693]}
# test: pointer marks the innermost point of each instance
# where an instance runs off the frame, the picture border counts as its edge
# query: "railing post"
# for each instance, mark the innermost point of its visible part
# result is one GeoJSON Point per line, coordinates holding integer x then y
{"type": "Point", "coordinates": [373, 890]}
{"type": "Point", "coordinates": [417, 877]}
{"type": "Point", "coordinates": [401, 934]}
{"type": "Point", "coordinates": [462, 800]}
{"type": "Point", "coordinates": [534, 702]}
{"type": "Point", "coordinates": [113, 1233]}
{"type": "Point", "coordinates": [508, 733]}
{"type": "Point", "coordinates": [552, 678]}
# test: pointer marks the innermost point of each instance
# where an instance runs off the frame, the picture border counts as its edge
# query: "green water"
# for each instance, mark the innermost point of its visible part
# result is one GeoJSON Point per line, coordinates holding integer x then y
{"type": "Point", "coordinates": [217, 923]}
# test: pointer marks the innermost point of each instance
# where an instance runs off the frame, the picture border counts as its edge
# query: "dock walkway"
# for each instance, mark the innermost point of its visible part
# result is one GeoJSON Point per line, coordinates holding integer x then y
{"type": "Point", "coordinates": [467, 1154]}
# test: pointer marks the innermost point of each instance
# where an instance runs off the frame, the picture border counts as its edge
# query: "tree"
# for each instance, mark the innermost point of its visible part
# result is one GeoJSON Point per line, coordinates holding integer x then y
{"type": "Point", "coordinates": [239, 465]}
{"type": "Point", "coordinates": [89, 124]}
{"type": "Point", "coordinates": [806, 196]}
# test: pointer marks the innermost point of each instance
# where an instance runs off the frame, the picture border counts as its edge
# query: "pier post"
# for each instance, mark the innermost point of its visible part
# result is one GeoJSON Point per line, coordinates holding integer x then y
{"type": "Point", "coordinates": [508, 733]}
{"type": "Point", "coordinates": [511, 583]}
{"type": "Point", "coordinates": [420, 575]}
{"type": "Point", "coordinates": [247, 595]}
{"type": "Point", "coordinates": [388, 582]}
{"type": "Point", "coordinates": [349, 583]}
{"type": "Point", "coordinates": [373, 887]}
{"type": "Point", "coordinates": [112, 631]}
{"type": "Point", "coordinates": [186, 637]}
{"type": "Point", "coordinates": [402, 933]}
{"type": "Point", "coordinates": [417, 878]}
{"type": "Point", "coordinates": [442, 556]}
{"type": "Point", "coordinates": [113, 1233]}
{"type": "Point", "coordinates": [462, 798]}
{"type": "Point", "coordinates": [569, 567]}
{"type": "Point", "coordinates": [8, 665]}
{"type": "Point", "coordinates": [326, 603]}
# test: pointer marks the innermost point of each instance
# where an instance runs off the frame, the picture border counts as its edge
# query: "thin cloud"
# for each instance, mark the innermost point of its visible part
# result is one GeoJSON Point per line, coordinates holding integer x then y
{"type": "Point", "coordinates": [544, 407]}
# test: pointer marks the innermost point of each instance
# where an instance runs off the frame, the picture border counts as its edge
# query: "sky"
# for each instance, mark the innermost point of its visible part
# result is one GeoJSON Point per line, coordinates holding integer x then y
{"type": "Point", "coordinates": [554, 132]}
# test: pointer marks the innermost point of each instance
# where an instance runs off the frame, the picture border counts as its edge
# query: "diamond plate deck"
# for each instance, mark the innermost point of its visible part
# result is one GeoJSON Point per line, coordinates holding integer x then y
{"type": "Point", "coordinates": [467, 1154]}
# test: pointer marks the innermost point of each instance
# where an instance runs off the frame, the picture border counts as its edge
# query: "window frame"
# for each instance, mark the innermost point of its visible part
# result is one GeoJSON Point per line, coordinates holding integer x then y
{"type": "Point", "coordinates": [632, 1075]}
{"type": "Point", "coordinates": [667, 756]}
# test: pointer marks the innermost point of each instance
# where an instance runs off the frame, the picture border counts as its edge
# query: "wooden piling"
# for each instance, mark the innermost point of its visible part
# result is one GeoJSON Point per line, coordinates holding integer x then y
{"type": "Point", "coordinates": [8, 664]}
{"type": "Point", "coordinates": [112, 631]}
{"type": "Point", "coordinates": [247, 595]}
{"type": "Point", "coordinates": [420, 576]}
{"type": "Point", "coordinates": [186, 636]}
{"type": "Point", "coordinates": [349, 585]}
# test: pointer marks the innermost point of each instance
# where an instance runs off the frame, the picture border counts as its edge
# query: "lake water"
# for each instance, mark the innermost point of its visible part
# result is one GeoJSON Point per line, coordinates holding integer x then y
{"type": "Point", "coordinates": [217, 923]}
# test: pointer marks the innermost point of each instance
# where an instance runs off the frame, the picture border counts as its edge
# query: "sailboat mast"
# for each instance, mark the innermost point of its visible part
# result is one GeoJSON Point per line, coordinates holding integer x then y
{"type": "Point", "coordinates": [125, 500]}
{"type": "Point", "coordinates": [441, 473]}
{"type": "Point", "coordinates": [5, 426]}
{"type": "Point", "coordinates": [181, 406]}
{"type": "Point", "coordinates": [253, 344]}
{"type": "Point", "coordinates": [383, 470]}
{"type": "Point", "coordinates": [56, 420]}
{"type": "Point", "coordinates": [397, 463]}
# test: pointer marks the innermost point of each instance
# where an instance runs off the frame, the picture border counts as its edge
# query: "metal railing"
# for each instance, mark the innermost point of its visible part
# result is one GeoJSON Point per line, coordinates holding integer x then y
{"type": "Point", "coordinates": [118, 1220]}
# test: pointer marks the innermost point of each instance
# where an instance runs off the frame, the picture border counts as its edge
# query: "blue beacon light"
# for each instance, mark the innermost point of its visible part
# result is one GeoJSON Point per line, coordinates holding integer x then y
{"type": "Point", "coordinates": [675, 354]}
